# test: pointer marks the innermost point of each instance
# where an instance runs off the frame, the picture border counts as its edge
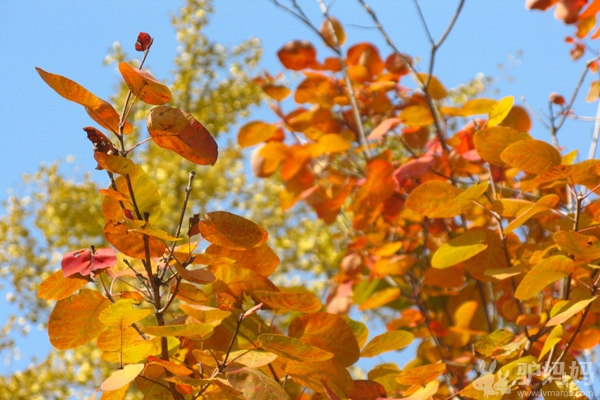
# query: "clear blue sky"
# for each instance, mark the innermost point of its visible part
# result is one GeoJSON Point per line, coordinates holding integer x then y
{"type": "Point", "coordinates": [71, 38]}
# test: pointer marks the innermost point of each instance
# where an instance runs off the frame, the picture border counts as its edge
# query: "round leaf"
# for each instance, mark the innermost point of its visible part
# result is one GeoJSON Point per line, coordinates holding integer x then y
{"type": "Point", "coordinates": [255, 132]}
{"type": "Point", "coordinates": [57, 287]}
{"type": "Point", "coordinates": [231, 231]}
{"type": "Point", "coordinates": [254, 384]}
{"type": "Point", "coordinates": [292, 348]}
{"type": "Point", "coordinates": [122, 377]}
{"type": "Point", "coordinates": [387, 341]}
{"type": "Point", "coordinates": [531, 156]}
{"type": "Point", "coordinates": [460, 249]}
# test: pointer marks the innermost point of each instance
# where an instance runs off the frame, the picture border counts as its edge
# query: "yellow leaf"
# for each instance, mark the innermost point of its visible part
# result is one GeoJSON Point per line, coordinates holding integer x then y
{"type": "Point", "coordinates": [421, 375]}
{"type": "Point", "coordinates": [292, 348]}
{"type": "Point", "coordinates": [547, 271]}
{"type": "Point", "coordinates": [459, 249]}
{"type": "Point", "coordinates": [115, 164]}
{"type": "Point", "coordinates": [388, 341]}
{"type": "Point", "coordinates": [122, 313]}
{"type": "Point", "coordinates": [428, 196]}
{"type": "Point", "coordinates": [313, 374]}
{"type": "Point", "coordinates": [416, 116]}
{"type": "Point", "coordinates": [122, 377]}
{"type": "Point", "coordinates": [192, 331]}
{"type": "Point", "coordinates": [460, 203]}
{"type": "Point", "coordinates": [544, 204]}
{"type": "Point", "coordinates": [436, 89]}
{"type": "Point", "coordinates": [380, 298]}
{"type": "Point", "coordinates": [500, 110]}
{"type": "Point", "coordinates": [551, 341]}
{"type": "Point", "coordinates": [333, 143]}
{"type": "Point", "coordinates": [571, 310]}
{"type": "Point", "coordinates": [531, 156]}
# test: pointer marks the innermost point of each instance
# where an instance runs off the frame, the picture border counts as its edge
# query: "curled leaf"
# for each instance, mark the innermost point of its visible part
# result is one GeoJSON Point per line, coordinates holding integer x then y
{"type": "Point", "coordinates": [144, 85]}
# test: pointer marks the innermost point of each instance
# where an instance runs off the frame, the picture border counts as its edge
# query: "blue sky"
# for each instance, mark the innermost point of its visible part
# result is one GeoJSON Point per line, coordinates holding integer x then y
{"type": "Point", "coordinates": [71, 38]}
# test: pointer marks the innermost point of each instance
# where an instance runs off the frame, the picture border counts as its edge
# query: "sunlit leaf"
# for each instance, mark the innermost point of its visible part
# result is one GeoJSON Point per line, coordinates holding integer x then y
{"type": "Point", "coordinates": [500, 110]}
{"type": "Point", "coordinates": [329, 332]}
{"type": "Point", "coordinates": [108, 118]}
{"type": "Point", "coordinates": [416, 116]}
{"type": "Point", "coordinates": [191, 294]}
{"type": "Point", "coordinates": [144, 86]}
{"type": "Point", "coordinates": [201, 276]}
{"type": "Point", "coordinates": [333, 143]}
{"type": "Point", "coordinates": [436, 88]}
{"type": "Point", "coordinates": [459, 249]}
{"type": "Point", "coordinates": [388, 341]}
{"type": "Point", "coordinates": [178, 131]}
{"type": "Point", "coordinates": [132, 243]}
{"type": "Point", "coordinates": [231, 231]}
{"type": "Point", "coordinates": [570, 311]}
{"type": "Point", "coordinates": [518, 118]}
{"type": "Point", "coordinates": [118, 394]}
{"type": "Point", "coordinates": [254, 384]}
{"type": "Point", "coordinates": [292, 348]}
{"type": "Point", "coordinates": [547, 271]}
{"type": "Point", "coordinates": [544, 204]}
{"type": "Point", "coordinates": [74, 320]}
{"type": "Point", "coordinates": [531, 156]}
{"type": "Point", "coordinates": [115, 164]}
{"type": "Point", "coordinates": [297, 55]}
{"type": "Point", "coordinates": [491, 142]}
{"type": "Point", "coordinates": [428, 196]}
{"type": "Point", "coordinates": [285, 301]}
{"type": "Point", "coordinates": [174, 368]}
{"type": "Point", "coordinates": [70, 90]}
{"type": "Point", "coordinates": [86, 262]}
{"type": "Point", "coordinates": [261, 259]}
{"type": "Point", "coordinates": [122, 377]}
{"type": "Point", "coordinates": [380, 298]}
{"type": "Point", "coordinates": [122, 313]}
{"type": "Point", "coordinates": [552, 340]}
{"type": "Point", "coordinates": [421, 375]}
{"type": "Point", "coordinates": [205, 314]}
{"type": "Point", "coordinates": [193, 331]}
{"type": "Point", "coordinates": [116, 338]}
{"type": "Point", "coordinates": [385, 126]}
{"type": "Point", "coordinates": [253, 359]}
{"type": "Point", "coordinates": [333, 32]}
{"type": "Point", "coordinates": [313, 374]}
{"type": "Point", "coordinates": [276, 92]}
{"type": "Point", "coordinates": [57, 287]}
{"type": "Point", "coordinates": [255, 132]}
{"type": "Point", "coordinates": [461, 203]}
{"type": "Point", "coordinates": [581, 246]}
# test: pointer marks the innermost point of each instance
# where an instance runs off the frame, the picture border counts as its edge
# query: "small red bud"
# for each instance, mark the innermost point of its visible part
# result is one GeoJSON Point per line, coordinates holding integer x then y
{"type": "Point", "coordinates": [144, 41]}
{"type": "Point", "coordinates": [557, 99]}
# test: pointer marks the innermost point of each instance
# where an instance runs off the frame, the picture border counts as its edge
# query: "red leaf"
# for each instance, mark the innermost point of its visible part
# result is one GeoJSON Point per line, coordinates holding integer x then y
{"type": "Point", "coordinates": [144, 41]}
{"type": "Point", "coordinates": [85, 262]}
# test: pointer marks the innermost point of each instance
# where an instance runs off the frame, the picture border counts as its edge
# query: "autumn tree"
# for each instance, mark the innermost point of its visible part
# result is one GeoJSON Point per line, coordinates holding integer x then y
{"type": "Point", "coordinates": [456, 229]}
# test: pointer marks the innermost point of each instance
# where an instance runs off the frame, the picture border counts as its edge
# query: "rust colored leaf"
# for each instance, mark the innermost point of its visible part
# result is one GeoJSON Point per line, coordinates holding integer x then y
{"type": "Point", "coordinates": [57, 287]}
{"type": "Point", "coordinates": [236, 281]}
{"type": "Point", "coordinates": [122, 377]}
{"type": "Point", "coordinates": [283, 301]}
{"type": "Point", "coordinates": [367, 390]}
{"type": "Point", "coordinates": [255, 132]}
{"type": "Point", "coordinates": [547, 271]}
{"type": "Point", "coordinates": [144, 41]}
{"type": "Point", "coordinates": [131, 243]}
{"type": "Point", "coordinates": [329, 332]}
{"type": "Point", "coordinates": [276, 92]}
{"type": "Point", "coordinates": [292, 348]}
{"type": "Point", "coordinates": [398, 64]}
{"type": "Point", "coordinates": [313, 374]}
{"type": "Point", "coordinates": [108, 118]}
{"type": "Point", "coordinates": [177, 369]}
{"type": "Point", "coordinates": [70, 90]}
{"type": "Point", "coordinates": [201, 276]}
{"type": "Point", "coordinates": [178, 131]}
{"type": "Point", "coordinates": [231, 231]}
{"type": "Point", "coordinates": [261, 259]}
{"type": "Point", "coordinates": [531, 156]}
{"type": "Point", "coordinates": [144, 85]}
{"type": "Point", "coordinates": [367, 55]}
{"type": "Point", "coordinates": [191, 294]}
{"type": "Point", "coordinates": [500, 110]}
{"type": "Point", "coordinates": [86, 262]}
{"type": "Point", "coordinates": [74, 320]}
{"type": "Point", "coordinates": [297, 55]}
{"type": "Point", "coordinates": [254, 384]}
{"type": "Point", "coordinates": [122, 313]}
{"type": "Point", "coordinates": [421, 375]}
{"type": "Point", "coordinates": [100, 141]}
{"type": "Point", "coordinates": [380, 181]}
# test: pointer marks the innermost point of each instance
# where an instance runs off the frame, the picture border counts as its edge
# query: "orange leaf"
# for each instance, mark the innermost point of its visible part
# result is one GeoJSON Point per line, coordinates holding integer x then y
{"type": "Point", "coordinates": [131, 243]}
{"type": "Point", "coordinates": [387, 341]}
{"type": "Point", "coordinates": [231, 231]}
{"type": "Point", "coordinates": [144, 85]}
{"type": "Point", "coordinates": [261, 259]}
{"type": "Point", "coordinates": [367, 55]}
{"type": "Point", "coordinates": [297, 55]}
{"type": "Point", "coordinates": [57, 287]}
{"type": "Point", "coordinates": [108, 118]}
{"type": "Point", "coordinates": [292, 348]}
{"type": "Point", "coordinates": [330, 27]}
{"type": "Point", "coordinates": [178, 131]}
{"type": "Point", "coordinates": [491, 142]}
{"type": "Point", "coordinates": [201, 276]}
{"type": "Point", "coordinates": [283, 301]}
{"type": "Point", "coordinates": [236, 281]}
{"type": "Point", "coordinates": [416, 116]}
{"type": "Point", "coordinates": [500, 110]}
{"type": "Point", "coordinates": [329, 332]}
{"type": "Point", "coordinates": [333, 143]}
{"type": "Point", "coordinates": [461, 203]}
{"type": "Point", "coordinates": [531, 156]}
{"type": "Point", "coordinates": [580, 246]}
{"type": "Point", "coordinates": [428, 196]}
{"type": "Point", "coordinates": [547, 271]}
{"type": "Point", "coordinates": [255, 384]}
{"type": "Point", "coordinates": [192, 331]}
{"type": "Point", "coordinates": [276, 92]}
{"type": "Point", "coordinates": [177, 369]}
{"type": "Point", "coordinates": [70, 90]}
{"type": "Point", "coordinates": [381, 129]}
{"type": "Point", "coordinates": [115, 164]}
{"type": "Point", "coordinates": [436, 88]}
{"type": "Point", "coordinates": [74, 320]}
{"type": "Point", "coordinates": [122, 377]}
{"type": "Point", "coordinates": [518, 118]}
{"type": "Point", "coordinates": [421, 375]}
{"type": "Point", "coordinates": [255, 132]}
{"type": "Point", "coordinates": [313, 374]}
